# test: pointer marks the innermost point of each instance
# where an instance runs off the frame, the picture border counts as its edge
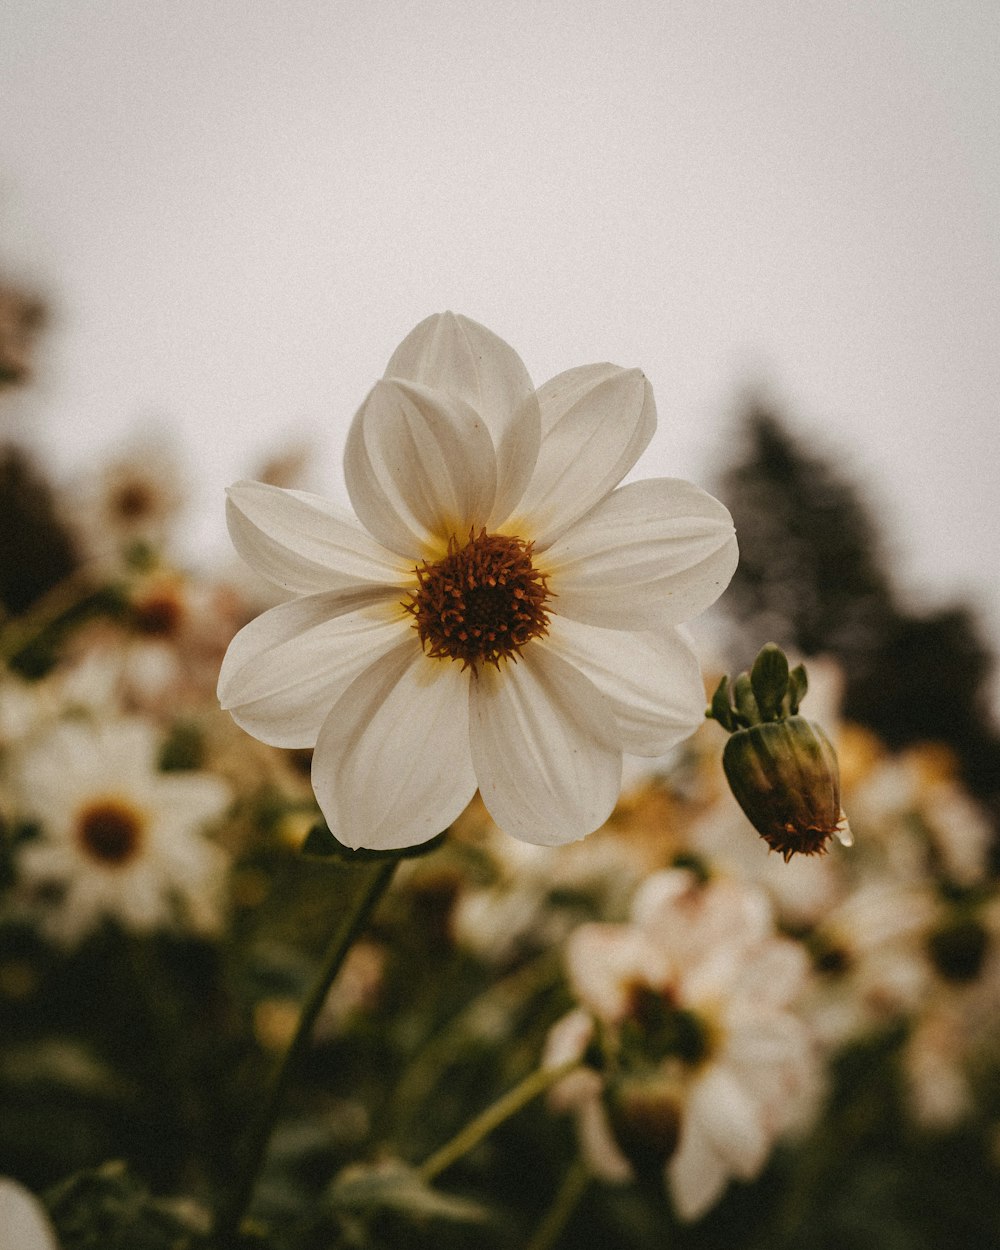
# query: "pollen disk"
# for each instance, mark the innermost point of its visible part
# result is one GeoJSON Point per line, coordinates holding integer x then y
{"type": "Point", "coordinates": [110, 830]}
{"type": "Point", "coordinates": [482, 602]}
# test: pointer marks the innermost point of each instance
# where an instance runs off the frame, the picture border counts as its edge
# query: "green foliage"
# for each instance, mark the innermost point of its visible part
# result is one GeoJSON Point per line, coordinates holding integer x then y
{"type": "Point", "coordinates": [110, 1209]}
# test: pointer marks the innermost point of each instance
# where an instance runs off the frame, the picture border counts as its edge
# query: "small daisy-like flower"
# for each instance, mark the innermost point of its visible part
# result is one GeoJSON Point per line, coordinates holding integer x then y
{"type": "Point", "coordinates": [119, 839]}
{"type": "Point", "coordinates": [701, 1058]}
{"type": "Point", "coordinates": [504, 616]}
{"type": "Point", "coordinates": [133, 499]}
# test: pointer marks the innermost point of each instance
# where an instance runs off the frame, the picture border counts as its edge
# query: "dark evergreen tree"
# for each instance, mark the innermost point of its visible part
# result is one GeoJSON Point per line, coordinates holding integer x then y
{"type": "Point", "coordinates": [810, 572]}
{"type": "Point", "coordinates": [36, 552]}
{"type": "Point", "coordinates": [811, 577]}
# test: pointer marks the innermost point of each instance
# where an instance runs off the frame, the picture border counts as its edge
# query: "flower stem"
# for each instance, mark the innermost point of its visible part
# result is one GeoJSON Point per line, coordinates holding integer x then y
{"type": "Point", "coordinates": [377, 876]}
{"type": "Point", "coordinates": [567, 1199]}
{"type": "Point", "coordinates": [534, 1083]}
{"type": "Point", "coordinates": [511, 995]}
{"type": "Point", "coordinates": [19, 631]}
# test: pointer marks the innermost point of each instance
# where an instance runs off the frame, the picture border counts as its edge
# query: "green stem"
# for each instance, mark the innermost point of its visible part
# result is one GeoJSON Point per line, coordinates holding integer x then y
{"type": "Point", "coordinates": [511, 995]}
{"type": "Point", "coordinates": [18, 632]}
{"type": "Point", "coordinates": [352, 922]}
{"type": "Point", "coordinates": [572, 1189]}
{"type": "Point", "coordinates": [476, 1130]}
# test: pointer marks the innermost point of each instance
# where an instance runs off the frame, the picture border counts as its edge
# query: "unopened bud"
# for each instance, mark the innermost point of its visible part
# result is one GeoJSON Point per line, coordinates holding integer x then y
{"type": "Point", "coordinates": [784, 775]}
{"type": "Point", "coordinates": [780, 767]}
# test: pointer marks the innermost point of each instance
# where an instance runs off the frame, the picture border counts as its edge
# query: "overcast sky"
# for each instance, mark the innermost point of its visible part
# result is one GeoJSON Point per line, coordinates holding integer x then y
{"type": "Point", "coordinates": [239, 209]}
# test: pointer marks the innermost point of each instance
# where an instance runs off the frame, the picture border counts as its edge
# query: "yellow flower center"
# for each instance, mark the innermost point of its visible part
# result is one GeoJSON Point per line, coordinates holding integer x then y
{"type": "Point", "coordinates": [110, 830]}
{"type": "Point", "coordinates": [482, 602]}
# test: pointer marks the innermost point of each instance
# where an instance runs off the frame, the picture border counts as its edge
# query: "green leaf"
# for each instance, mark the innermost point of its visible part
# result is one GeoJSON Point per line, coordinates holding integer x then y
{"type": "Point", "coordinates": [398, 1186]}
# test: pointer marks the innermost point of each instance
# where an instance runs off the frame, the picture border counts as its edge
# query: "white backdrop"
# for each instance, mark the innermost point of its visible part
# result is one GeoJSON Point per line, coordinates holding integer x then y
{"type": "Point", "coordinates": [238, 209]}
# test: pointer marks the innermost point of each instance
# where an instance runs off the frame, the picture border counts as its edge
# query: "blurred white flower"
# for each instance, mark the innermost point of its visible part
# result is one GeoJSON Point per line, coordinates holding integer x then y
{"type": "Point", "coordinates": [802, 890]}
{"type": "Point", "coordinates": [924, 820]}
{"type": "Point", "coordinates": [118, 838]}
{"type": "Point", "coordinates": [503, 616]}
{"type": "Point", "coordinates": [133, 498]}
{"type": "Point", "coordinates": [705, 1061]}
{"type": "Point", "coordinates": [953, 1036]}
{"type": "Point", "coordinates": [24, 1224]}
{"type": "Point", "coordinates": [869, 952]}
{"type": "Point", "coordinates": [540, 892]}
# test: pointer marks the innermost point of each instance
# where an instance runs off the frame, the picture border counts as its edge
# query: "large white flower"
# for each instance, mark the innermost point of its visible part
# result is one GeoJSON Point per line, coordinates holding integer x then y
{"type": "Point", "coordinates": [120, 839]}
{"type": "Point", "coordinates": [505, 616]}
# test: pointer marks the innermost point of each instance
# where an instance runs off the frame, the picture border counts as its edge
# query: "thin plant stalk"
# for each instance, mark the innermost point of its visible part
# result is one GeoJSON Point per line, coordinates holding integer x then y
{"type": "Point", "coordinates": [574, 1186]}
{"type": "Point", "coordinates": [352, 922]}
{"type": "Point", "coordinates": [508, 1104]}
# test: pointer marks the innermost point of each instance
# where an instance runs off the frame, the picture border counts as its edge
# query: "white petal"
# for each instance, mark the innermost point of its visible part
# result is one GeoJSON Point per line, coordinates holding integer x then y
{"type": "Point", "coordinates": [776, 974]}
{"type": "Point", "coordinates": [284, 671]}
{"type": "Point", "coordinates": [23, 1222]}
{"type": "Point", "coordinates": [419, 466]}
{"type": "Point", "coordinates": [391, 767]}
{"type": "Point", "coordinates": [605, 962]}
{"type": "Point", "coordinates": [567, 1040]}
{"type": "Point", "coordinates": [764, 1047]}
{"type": "Point", "coordinates": [453, 354]}
{"type": "Point", "coordinates": [596, 422]}
{"type": "Point", "coordinates": [302, 542]}
{"type": "Point", "coordinates": [731, 1120]}
{"type": "Point", "coordinates": [652, 681]}
{"type": "Point", "coordinates": [598, 1145]}
{"type": "Point", "coordinates": [190, 798]}
{"type": "Point", "coordinates": [546, 749]}
{"type": "Point", "coordinates": [654, 553]}
{"type": "Point", "coordinates": [41, 860]}
{"type": "Point", "coordinates": [696, 1172]}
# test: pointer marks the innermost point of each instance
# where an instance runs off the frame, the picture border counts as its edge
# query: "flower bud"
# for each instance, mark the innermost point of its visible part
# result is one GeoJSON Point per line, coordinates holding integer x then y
{"type": "Point", "coordinates": [784, 775]}
{"type": "Point", "coordinates": [780, 767]}
{"type": "Point", "coordinates": [645, 1116]}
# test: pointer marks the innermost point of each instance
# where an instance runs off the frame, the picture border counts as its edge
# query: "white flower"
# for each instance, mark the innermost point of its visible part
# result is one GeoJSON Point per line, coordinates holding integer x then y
{"type": "Point", "coordinates": [23, 1222]}
{"type": "Point", "coordinates": [120, 839]}
{"type": "Point", "coordinates": [707, 1062]}
{"type": "Point", "coordinates": [503, 616]}
{"type": "Point", "coordinates": [537, 894]}
{"type": "Point", "coordinates": [134, 498]}
{"type": "Point", "coordinates": [868, 949]}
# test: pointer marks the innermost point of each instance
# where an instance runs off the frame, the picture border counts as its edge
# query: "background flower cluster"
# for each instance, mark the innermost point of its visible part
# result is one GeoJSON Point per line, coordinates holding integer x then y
{"type": "Point", "coordinates": [772, 1054]}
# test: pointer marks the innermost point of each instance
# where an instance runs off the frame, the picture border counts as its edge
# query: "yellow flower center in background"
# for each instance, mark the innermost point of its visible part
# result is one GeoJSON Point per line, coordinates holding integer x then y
{"type": "Point", "coordinates": [482, 602]}
{"type": "Point", "coordinates": [110, 830]}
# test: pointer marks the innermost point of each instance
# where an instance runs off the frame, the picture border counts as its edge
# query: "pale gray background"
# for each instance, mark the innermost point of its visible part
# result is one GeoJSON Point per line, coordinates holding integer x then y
{"type": "Point", "coordinates": [240, 208]}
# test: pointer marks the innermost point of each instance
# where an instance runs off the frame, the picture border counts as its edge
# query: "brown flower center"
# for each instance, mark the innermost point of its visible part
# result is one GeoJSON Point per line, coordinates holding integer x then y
{"type": "Point", "coordinates": [482, 602]}
{"type": "Point", "coordinates": [110, 830]}
{"type": "Point", "coordinates": [133, 501]}
{"type": "Point", "coordinates": [158, 612]}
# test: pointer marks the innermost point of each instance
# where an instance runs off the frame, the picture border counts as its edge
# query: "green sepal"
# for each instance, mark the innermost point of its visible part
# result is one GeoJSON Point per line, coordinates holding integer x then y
{"type": "Point", "coordinates": [798, 684]}
{"type": "Point", "coordinates": [769, 680]}
{"type": "Point", "coordinates": [747, 711]}
{"type": "Point", "coordinates": [720, 708]}
{"type": "Point", "coordinates": [320, 843]}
